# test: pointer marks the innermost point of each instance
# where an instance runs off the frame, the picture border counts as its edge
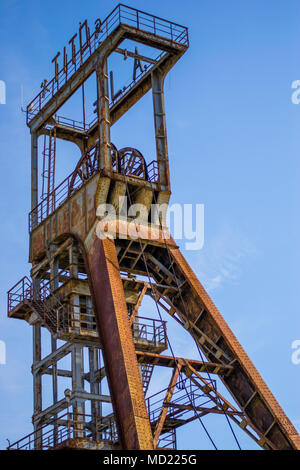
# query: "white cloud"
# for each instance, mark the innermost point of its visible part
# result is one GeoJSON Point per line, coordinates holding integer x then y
{"type": "Point", "coordinates": [221, 259]}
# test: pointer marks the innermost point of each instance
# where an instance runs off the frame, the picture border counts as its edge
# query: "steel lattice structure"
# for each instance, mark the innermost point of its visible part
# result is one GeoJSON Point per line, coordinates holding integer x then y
{"type": "Point", "coordinates": [86, 286]}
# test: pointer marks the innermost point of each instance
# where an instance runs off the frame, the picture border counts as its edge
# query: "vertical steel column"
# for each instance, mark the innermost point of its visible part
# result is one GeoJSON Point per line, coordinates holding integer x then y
{"type": "Point", "coordinates": [94, 385]}
{"type": "Point", "coordinates": [103, 114]}
{"type": "Point", "coordinates": [54, 386]}
{"type": "Point", "coordinates": [157, 80]}
{"type": "Point", "coordinates": [77, 351]}
{"type": "Point", "coordinates": [55, 283]}
{"type": "Point", "coordinates": [77, 386]}
{"type": "Point", "coordinates": [37, 383]}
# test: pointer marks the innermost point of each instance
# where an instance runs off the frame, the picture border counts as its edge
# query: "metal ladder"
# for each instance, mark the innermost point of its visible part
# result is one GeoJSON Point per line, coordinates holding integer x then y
{"type": "Point", "coordinates": [48, 173]}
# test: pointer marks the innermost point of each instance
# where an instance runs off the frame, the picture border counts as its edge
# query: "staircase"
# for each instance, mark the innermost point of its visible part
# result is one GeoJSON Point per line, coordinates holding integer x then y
{"type": "Point", "coordinates": [146, 374]}
{"type": "Point", "coordinates": [50, 312]}
{"type": "Point", "coordinates": [46, 305]}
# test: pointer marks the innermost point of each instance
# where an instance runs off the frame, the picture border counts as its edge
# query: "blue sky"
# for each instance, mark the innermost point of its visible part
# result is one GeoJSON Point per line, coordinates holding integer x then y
{"type": "Point", "coordinates": [233, 136]}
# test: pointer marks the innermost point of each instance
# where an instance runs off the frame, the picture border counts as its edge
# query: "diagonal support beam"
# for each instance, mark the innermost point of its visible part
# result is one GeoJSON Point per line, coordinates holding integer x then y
{"type": "Point", "coordinates": [137, 305]}
{"type": "Point", "coordinates": [169, 394]}
{"type": "Point", "coordinates": [224, 406]}
{"type": "Point", "coordinates": [118, 348]}
{"type": "Point", "coordinates": [263, 410]}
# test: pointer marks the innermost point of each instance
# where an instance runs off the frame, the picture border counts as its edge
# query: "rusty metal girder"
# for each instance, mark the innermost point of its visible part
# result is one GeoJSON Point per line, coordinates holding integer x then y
{"type": "Point", "coordinates": [244, 383]}
{"type": "Point", "coordinates": [102, 178]}
{"type": "Point", "coordinates": [173, 52]}
{"type": "Point", "coordinates": [118, 348]}
{"type": "Point", "coordinates": [161, 420]}
{"type": "Point", "coordinates": [169, 361]}
{"type": "Point", "coordinates": [197, 313]}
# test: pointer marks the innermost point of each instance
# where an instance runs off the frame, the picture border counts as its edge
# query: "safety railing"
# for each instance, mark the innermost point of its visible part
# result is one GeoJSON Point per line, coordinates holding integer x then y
{"type": "Point", "coordinates": [73, 123]}
{"type": "Point", "coordinates": [71, 316]}
{"type": "Point", "coordinates": [68, 426]}
{"type": "Point", "coordinates": [24, 289]}
{"type": "Point", "coordinates": [122, 14]}
{"type": "Point", "coordinates": [187, 398]}
{"type": "Point", "coordinates": [70, 185]}
{"type": "Point", "coordinates": [153, 24]}
{"type": "Point", "coordinates": [149, 329]}
{"type": "Point", "coordinates": [50, 203]}
{"type": "Point", "coordinates": [58, 196]}
{"type": "Point", "coordinates": [81, 318]}
{"type": "Point", "coordinates": [83, 426]}
{"type": "Point", "coordinates": [18, 293]}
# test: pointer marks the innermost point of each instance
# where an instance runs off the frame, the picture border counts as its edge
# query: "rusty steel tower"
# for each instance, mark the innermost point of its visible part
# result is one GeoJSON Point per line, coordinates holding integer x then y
{"type": "Point", "coordinates": [91, 271]}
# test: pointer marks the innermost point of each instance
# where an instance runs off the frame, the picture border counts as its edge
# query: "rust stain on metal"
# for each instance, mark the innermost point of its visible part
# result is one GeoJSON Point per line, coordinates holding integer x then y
{"type": "Point", "coordinates": [120, 358]}
{"type": "Point", "coordinates": [265, 409]}
{"type": "Point", "coordinates": [72, 265]}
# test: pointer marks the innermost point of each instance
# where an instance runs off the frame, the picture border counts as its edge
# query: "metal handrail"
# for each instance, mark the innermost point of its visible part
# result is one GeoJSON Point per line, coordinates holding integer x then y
{"type": "Point", "coordinates": [57, 197]}
{"type": "Point", "coordinates": [185, 392]}
{"type": "Point", "coordinates": [21, 291]}
{"type": "Point", "coordinates": [122, 14]}
{"type": "Point", "coordinates": [68, 187]}
{"type": "Point", "coordinates": [66, 426]}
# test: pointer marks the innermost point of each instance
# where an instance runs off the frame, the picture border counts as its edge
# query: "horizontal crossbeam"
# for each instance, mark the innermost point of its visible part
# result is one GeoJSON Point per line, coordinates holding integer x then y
{"type": "Point", "coordinates": [169, 361]}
